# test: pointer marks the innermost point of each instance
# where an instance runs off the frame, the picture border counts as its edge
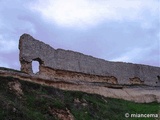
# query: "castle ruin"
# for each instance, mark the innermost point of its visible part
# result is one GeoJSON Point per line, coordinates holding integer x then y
{"type": "Point", "coordinates": [66, 64]}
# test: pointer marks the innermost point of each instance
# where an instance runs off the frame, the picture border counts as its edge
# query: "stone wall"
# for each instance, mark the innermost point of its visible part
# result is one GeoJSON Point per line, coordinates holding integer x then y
{"type": "Point", "coordinates": [66, 60]}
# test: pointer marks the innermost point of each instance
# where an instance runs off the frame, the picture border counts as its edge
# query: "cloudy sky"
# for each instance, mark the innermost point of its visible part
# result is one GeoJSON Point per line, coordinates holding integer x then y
{"type": "Point", "coordinates": [114, 30]}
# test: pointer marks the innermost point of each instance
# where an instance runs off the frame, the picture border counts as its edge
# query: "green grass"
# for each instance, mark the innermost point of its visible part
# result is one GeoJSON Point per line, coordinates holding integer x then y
{"type": "Point", "coordinates": [37, 99]}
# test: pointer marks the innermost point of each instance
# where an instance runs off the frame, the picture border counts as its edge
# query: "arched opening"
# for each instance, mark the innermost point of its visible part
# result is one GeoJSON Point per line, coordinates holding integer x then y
{"type": "Point", "coordinates": [35, 66]}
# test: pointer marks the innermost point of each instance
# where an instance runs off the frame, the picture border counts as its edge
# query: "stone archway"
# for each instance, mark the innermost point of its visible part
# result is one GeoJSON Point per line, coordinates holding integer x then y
{"type": "Point", "coordinates": [35, 67]}
{"type": "Point", "coordinates": [31, 67]}
{"type": "Point", "coordinates": [36, 64]}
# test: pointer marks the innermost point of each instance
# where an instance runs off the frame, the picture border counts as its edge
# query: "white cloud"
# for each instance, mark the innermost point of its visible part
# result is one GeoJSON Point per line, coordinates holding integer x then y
{"type": "Point", "coordinates": [82, 13]}
{"type": "Point", "coordinates": [7, 46]}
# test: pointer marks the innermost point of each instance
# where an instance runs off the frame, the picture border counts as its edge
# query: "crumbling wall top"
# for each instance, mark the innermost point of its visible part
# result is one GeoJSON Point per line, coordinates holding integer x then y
{"type": "Point", "coordinates": [32, 49]}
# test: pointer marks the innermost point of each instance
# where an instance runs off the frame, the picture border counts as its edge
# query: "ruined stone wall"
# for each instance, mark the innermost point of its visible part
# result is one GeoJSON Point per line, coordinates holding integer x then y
{"type": "Point", "coordinates": [76, 76]}
{"type": "Point", "coordinates": [32, 49]}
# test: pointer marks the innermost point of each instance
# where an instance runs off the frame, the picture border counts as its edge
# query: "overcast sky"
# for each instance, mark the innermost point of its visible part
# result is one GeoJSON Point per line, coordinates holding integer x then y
{"type": "Point", "coordinates": [114, 30]}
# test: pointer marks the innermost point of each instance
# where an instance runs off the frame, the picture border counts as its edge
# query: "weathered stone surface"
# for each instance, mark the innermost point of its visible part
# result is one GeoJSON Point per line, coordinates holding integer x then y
{"type": "Point", "coordinates": [61, 114]}
{"type": "Point", "coordinates": [16, 87]}
{"type": "Point", "coordinates": [48, 57]}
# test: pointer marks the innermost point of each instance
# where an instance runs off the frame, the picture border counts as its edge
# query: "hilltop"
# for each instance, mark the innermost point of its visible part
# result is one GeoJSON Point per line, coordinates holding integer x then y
{"type": "Point", "coordinates": [20, 99]}
{"type": "Point", "coordinates": [73, 86]}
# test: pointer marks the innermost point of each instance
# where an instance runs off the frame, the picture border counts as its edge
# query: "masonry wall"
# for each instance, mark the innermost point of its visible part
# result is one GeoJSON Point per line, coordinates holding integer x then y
{"type": "Point", "coordinates": [32, 49]}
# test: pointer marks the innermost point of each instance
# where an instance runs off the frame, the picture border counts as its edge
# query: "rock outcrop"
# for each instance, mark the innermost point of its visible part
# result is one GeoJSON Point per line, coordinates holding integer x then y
{"type": "Point", "coordinates": [73, 65]}
{"type": "Point", "coordinates": [137, 93]}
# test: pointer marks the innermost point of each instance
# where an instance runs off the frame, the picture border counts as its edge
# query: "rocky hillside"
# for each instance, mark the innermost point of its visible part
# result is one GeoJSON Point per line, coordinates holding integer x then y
{"type": "Point", "coordinates": [24, 100]}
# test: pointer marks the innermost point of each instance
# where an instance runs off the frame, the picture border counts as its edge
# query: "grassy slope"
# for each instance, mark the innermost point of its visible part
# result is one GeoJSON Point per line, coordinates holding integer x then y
{"type": "Point", "coordinates": [35, 103]}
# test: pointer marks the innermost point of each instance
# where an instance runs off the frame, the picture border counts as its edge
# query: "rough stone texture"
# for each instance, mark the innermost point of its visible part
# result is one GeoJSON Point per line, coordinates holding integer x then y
{"type": "Point", "coordinates": [61, 114]}
{"type": "Point", "coordinates": [59, 59]}
{"type": "Point", "coordinates": [75, 76]}
{"type": "Point", "coordinates": [16, 87]}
